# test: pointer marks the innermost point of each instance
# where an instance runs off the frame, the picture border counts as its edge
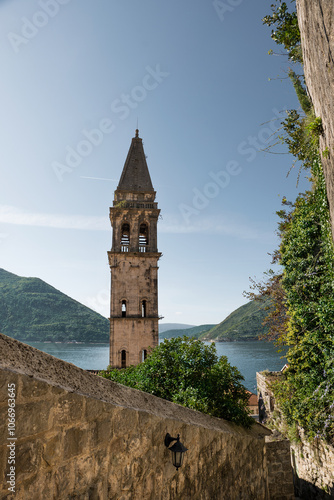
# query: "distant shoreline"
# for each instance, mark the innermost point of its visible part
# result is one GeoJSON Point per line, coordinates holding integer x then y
{"type": "Point", "coordinates": [107, 343]}
{"type": "Point", "coordinates": [61, 342]}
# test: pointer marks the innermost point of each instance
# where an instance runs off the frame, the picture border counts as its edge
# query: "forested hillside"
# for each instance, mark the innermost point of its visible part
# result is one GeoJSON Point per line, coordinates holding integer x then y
{"type": "Point", "coordinates": [245, 323]}
{"type": "Point", "coordinates": [194, 331]}
{"type": "Point", "coordinates": [30, 309]}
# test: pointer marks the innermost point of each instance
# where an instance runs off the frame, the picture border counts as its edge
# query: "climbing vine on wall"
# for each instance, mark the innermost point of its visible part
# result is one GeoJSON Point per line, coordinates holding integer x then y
{"type": "Point", "coordinates": [306, 391]}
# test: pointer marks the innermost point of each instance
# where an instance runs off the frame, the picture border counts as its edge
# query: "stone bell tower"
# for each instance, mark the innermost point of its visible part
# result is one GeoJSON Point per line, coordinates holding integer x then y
{"type": "Point", "coordinates": [133, 261]}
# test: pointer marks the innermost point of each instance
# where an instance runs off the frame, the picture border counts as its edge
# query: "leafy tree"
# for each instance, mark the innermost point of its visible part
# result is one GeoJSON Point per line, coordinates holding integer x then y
{"type": "Point", "coordinates": [188, 372]}
{"type": "Point", "coordinates": [286, 30]}
{"type": "Point", "coordinates": [271, 288]}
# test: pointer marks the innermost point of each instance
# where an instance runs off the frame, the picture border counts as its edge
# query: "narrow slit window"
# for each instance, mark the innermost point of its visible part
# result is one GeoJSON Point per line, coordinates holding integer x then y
{"type": "Point", "coordinates": [125, 237]}
{"type": "Point", "coordinates": [143, 355]}
{"type": "Point", "coordinates": [143, 309]}
{"type": "Point", "coordinates": [123, 358]}
{"type": "Point", "coordinates": [123, 308]}
{"type": "Point", "coordinates": [143, 237]}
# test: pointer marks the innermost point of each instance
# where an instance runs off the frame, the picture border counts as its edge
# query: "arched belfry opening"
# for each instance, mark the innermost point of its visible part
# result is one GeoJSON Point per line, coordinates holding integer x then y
{"type": "Point", "coordinates": [143, 237]}
{"type": "Point", "coordinates": [133, 261]}
{"type": "Point", "coordinates": [125, 237]}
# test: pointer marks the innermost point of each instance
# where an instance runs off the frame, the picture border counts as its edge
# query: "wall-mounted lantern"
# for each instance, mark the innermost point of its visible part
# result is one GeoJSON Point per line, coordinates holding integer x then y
{"type": "Point", "coordinates": [177, 449]}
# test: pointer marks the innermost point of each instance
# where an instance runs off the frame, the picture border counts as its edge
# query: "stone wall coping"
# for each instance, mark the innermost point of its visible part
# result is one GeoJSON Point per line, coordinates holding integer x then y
{"type": "Point", "coordinates": [266, 375]}
{"type": "Point", "coordinates": [21, 358]}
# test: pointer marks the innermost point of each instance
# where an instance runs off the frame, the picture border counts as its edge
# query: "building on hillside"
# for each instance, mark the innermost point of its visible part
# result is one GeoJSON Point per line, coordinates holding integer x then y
{"type": "Point", "coordinates": [133, 261]}
{"type": "Point", "coordinates": [266, 398]}
{"type": "Point", "coordinates": [253, 404]}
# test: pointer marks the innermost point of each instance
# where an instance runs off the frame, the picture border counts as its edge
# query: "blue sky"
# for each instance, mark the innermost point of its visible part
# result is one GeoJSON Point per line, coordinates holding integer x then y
{"type": "Point", "coordinates": [76, 77]}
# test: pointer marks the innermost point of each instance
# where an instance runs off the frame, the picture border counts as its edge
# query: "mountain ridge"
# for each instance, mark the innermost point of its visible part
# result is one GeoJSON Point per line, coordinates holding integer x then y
{"type": "Point", "coordinates": [244, 323]}
{"type": "Point", "coordinates": [31, 309]}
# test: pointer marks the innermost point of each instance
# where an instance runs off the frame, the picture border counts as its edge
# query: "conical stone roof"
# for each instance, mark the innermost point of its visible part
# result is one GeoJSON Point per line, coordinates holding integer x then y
{"type": "Point", "coordinates": [135, 176]}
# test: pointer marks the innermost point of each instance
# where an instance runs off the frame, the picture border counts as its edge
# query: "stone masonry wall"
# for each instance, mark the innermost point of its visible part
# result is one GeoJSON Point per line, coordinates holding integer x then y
{"type": "Point", "coordinates": [313, 465]}
{"type": "Point", "coordinates": [79, 436]}
{"type": "Point", "coordinates": [312, 462]}
{"type": "Point", "coordinates": [263, 380]}
{"type": "Point", "coordinates": [280, 479]}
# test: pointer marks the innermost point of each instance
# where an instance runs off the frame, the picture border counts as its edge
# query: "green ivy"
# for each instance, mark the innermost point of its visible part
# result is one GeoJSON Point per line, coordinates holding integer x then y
{"type": "Point", "coordinates": [305, 392]}
{"type": "Point", "coordinates": [286, 30]}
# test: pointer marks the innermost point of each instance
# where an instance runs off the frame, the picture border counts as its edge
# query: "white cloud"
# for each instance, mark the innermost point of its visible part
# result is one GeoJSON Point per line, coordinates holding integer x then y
{"type": "Point", "coordinates": [214, 225]}
{"type": "Point", "coordinates": [169, 224]}
{"type": "Point", "coordinates": [13, 215]}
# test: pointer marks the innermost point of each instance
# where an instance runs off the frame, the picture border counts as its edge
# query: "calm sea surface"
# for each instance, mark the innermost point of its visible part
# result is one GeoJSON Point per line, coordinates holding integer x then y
{"type": "Point", "coordinates": [248, 357]}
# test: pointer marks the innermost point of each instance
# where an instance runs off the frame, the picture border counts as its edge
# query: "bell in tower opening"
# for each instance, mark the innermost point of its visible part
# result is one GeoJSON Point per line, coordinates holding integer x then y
{"type": "Point", "coordinates": [133, 261]}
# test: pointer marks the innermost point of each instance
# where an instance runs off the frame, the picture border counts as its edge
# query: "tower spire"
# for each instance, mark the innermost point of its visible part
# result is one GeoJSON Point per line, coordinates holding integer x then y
{"type": "Point", "coordinates": [135, 176]}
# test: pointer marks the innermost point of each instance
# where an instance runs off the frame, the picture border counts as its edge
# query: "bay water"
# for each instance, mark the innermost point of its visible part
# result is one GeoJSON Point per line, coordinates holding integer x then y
{"type": "Point", "coordinates": [248, 357]}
